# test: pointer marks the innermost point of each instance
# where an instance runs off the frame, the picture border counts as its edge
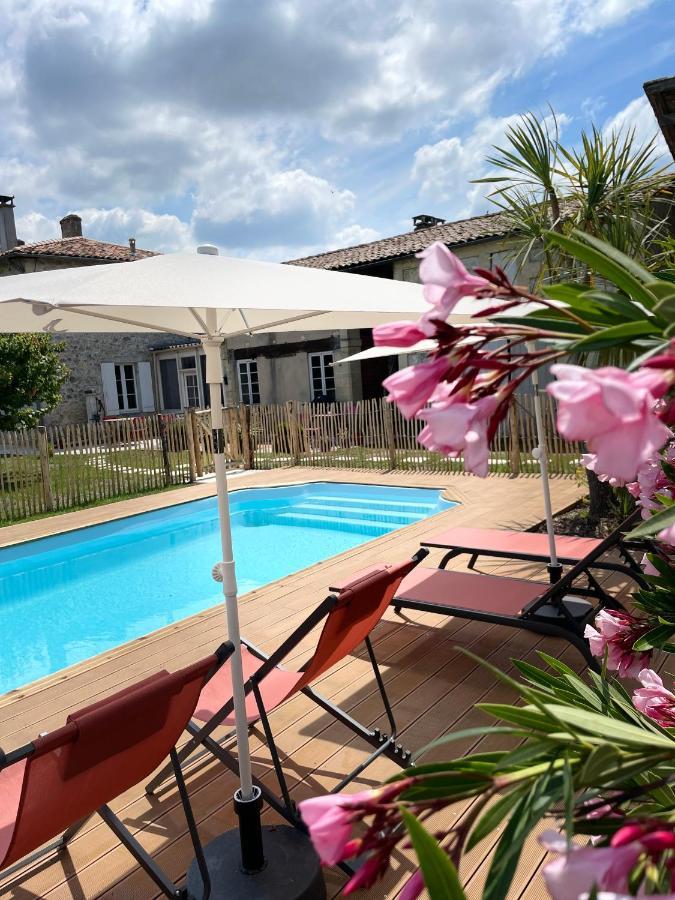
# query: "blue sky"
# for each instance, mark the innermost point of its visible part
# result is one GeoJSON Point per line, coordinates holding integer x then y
{"type": "Point", "coordinates": [287, 127]}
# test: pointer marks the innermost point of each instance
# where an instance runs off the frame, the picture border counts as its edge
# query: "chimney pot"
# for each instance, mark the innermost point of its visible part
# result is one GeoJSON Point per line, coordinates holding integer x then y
{"type": "Point", "coordinates": [71, 226]}
{"type": "Point", "coordinates": [425, 221]}
{"type": "Point", "coordinates": [8, 239]}
{"type": "Point", "coordinates": [207, 250]}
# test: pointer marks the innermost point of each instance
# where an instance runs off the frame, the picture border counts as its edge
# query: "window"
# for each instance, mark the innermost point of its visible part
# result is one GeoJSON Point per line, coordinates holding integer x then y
{"type": "Point", "coordinates": [168, 374]}
{"type": "Point", "coordinates": [505, 260]}
{"type": "Point", "coordinates": [127, 391]}
{"type": "Point", "coordinates": [182, 377]}
{"type": "Point", "coordinates": [321, 377]}
{"type": "Point", "coordinates": [249, 388]}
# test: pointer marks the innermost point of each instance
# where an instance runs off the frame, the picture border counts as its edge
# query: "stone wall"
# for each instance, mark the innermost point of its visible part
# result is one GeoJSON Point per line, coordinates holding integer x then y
{"type": "Point", "coordinates": [83, 354]}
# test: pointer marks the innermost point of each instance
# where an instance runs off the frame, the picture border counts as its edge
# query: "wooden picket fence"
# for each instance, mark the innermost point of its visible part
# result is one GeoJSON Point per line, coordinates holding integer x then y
{"type": "Point", "coordinates": [54, 468]}
{"type": "Point", "coordinates": [49, 469]}
{"type": "Point", "coordinates": [372, 434]}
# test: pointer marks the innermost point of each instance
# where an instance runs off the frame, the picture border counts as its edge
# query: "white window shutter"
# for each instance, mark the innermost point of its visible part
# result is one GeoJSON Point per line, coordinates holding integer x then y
{"type": "Point", "coordinates": [109, 389]}
{"type": "Point", "coordinates": [145, 385]}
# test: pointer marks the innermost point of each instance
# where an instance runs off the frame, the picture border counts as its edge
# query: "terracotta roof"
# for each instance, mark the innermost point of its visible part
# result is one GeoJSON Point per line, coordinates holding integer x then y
{"type": "Point", "coordinates": [79, 247]}
{"type": "Point", "coordinates": [492, 225]}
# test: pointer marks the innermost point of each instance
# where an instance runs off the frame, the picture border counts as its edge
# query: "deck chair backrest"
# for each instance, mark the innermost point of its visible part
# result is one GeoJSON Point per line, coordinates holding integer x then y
{"type": "Point", "coordinates": [359, 607]}
{"type": "Point", "coordinates": [567, 581]}
{"type": "Point", "coordinates": [99, 753]}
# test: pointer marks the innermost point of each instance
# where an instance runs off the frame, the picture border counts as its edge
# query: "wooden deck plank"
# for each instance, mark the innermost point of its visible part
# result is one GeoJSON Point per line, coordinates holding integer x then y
{"type": "Point", "coordinates": [434, 686]}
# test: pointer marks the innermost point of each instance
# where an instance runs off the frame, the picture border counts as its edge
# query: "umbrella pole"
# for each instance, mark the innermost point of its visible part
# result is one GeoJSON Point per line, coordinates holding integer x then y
{"type": "Point", "coordinates": [541, 454]}
{"type": "Point", "coordinates": [247, 799]}
{"type": "Point", "coordinates": [241, 862]}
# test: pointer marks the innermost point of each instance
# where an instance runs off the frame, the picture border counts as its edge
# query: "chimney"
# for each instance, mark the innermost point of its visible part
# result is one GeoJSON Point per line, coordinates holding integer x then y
{"type": "Point", "coordinates": [424, 221]}
{"type": "Point", "coordinates": [8, 239]}
{"type": "Point", "coordinates": [71, 226]}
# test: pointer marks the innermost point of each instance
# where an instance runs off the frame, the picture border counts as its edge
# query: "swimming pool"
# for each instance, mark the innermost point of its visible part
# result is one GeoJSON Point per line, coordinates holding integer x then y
{"type": "Point", "coordinates": [68, 597]}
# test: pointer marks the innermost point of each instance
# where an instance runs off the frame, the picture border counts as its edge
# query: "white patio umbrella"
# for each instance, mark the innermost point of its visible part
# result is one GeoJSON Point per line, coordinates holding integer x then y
{"type": "Point", "coordinates": [209, 298]}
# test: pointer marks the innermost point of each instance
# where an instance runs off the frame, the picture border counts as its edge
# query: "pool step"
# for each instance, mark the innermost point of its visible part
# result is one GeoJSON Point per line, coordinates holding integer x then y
{"type": "Point", "coordinates": [424, 509]}
{"type": "Point", "coordinates": [335, 523]}
{"type": "Point", "coordinates": [366, 513]}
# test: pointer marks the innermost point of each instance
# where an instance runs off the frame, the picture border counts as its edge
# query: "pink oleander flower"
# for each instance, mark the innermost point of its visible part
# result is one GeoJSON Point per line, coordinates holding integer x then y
{"type": "Point", "coordinates": [667, 535]}
{"type": "Point", "coordinates": [647, 566]}
{"type": "Point", "coordinates": [574, 874]}
{"type": "Point", "coordinates": [367, 874]}
{"type": "Point", "coordinates": [655, 700]}
{"type": "Point", "coordinates": [398, 334]}
{"type": "Point", "coordinates": [454, 427]}
{"type": "Point", "coordinates": [590, 461]}
{"type": "Point", "coordinates": [446, 280]}
{"type": "Point", "coordinates": [413, 887]}
{"type": "Point", "coordinates": [616, 633]}
{"type": "Point", "coordinates": [410, 388]}
{"type": "Point", "coordinates": [613, 411]}
{"type": "Point", "coordinates": [329, 819]}
{"type": "Point", "coordinates": [652, 480]}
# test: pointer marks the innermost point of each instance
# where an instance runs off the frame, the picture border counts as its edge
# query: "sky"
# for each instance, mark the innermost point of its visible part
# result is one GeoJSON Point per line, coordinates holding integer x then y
{"type": "Point", "coordinates": [280, 128]}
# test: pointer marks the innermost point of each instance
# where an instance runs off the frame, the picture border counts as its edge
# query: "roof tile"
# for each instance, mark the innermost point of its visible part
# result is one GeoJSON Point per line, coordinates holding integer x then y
{"type": "Point", "coordinates": [491, 225]}
{"type": "Point", "coordinates": [80, 248]}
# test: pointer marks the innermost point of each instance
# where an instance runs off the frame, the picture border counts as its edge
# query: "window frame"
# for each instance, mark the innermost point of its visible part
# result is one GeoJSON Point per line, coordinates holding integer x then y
{"type": "Point", "coordinates": [321, 354]}
{"type": "Point", "coordinates": [249, 364]}
{"type": "Point", "coordinates": [122, 383]}
{"type": "Point", "coordinates": [178, 355]}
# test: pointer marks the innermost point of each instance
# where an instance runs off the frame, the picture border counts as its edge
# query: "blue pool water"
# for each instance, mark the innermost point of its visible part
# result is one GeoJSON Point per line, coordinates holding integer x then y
{"type": "Point", "coordinates": [68, 597]}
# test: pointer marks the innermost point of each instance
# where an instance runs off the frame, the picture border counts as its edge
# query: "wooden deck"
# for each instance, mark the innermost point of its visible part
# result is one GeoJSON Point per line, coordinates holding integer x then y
{"type": "Point", "coordinates": [432, 685]}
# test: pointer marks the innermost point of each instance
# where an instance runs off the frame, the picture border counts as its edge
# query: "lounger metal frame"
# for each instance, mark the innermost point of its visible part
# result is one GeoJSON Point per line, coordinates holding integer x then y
{"type": "Point", "coordinates": [629, 567]}
{"type": "Point", "coordinates": [119, 829]}
{"type": "Point", "coordinates": [565, 625]}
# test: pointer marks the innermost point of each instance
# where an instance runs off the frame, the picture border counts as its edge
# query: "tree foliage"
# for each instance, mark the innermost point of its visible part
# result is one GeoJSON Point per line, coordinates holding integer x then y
{"type": "Point", "coordinates": [31, 377]}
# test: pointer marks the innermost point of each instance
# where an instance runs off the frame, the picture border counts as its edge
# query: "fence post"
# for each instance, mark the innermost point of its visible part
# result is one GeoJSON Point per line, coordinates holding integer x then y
{"type": "Point", "coordinates": [388, 417]}
{"type": "Point", "coordinates": [190, 438]}
{"type": "Point", "coordinates": [294, 432]}
{"type": "Point", "coordinates": [196, 432]}
{"type": "Point", "coordinates": [514, 426]}
{"type": "Point", "coordinates": [246, 443]}
{"type": "Point", "coordinates": [43, 450]}
{"type": "Point", "coordinates": [165, 449]}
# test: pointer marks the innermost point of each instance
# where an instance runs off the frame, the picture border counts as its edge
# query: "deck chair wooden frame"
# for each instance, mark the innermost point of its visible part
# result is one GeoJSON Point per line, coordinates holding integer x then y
{"type": "Point", "coordinates": [348, 620]}
{"type": "Point", "coordinates": [495, 543]}
{"type": "Point", "coordinates": [56, 783]}
{"type": "Point", "coordinates": [542, 608]}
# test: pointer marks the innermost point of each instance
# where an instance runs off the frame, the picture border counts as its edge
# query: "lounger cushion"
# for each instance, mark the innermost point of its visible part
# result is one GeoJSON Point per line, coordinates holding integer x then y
{"type": "Point", "coordinates": [274, 688]}
{"type": "Point", "coordinates": [484, 540]}
{"type": "Point", "coordinates": [463, 590]}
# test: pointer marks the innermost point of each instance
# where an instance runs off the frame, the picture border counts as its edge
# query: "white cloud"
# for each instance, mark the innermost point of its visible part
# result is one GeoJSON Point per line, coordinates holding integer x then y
{"type": "Point", "coordinates": [639, 117]}
{"type": "Point", "coordinates": [231, 112]}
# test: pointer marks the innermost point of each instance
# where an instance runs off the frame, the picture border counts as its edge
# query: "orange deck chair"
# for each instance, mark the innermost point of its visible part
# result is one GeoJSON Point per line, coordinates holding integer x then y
{"type": "Point", "coordinates": [50, 787]}
{"type": "Point", "coordinates": [348, 620]}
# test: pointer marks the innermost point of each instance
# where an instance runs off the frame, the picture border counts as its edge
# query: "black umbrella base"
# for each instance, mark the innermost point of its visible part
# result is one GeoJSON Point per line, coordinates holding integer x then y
{"type": "Point", "coordinates": [292, 870]}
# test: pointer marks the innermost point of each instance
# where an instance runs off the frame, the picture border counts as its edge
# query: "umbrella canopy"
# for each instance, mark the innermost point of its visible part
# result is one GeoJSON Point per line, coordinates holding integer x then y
{"type": "Point", "coordinates": [198, 295]}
